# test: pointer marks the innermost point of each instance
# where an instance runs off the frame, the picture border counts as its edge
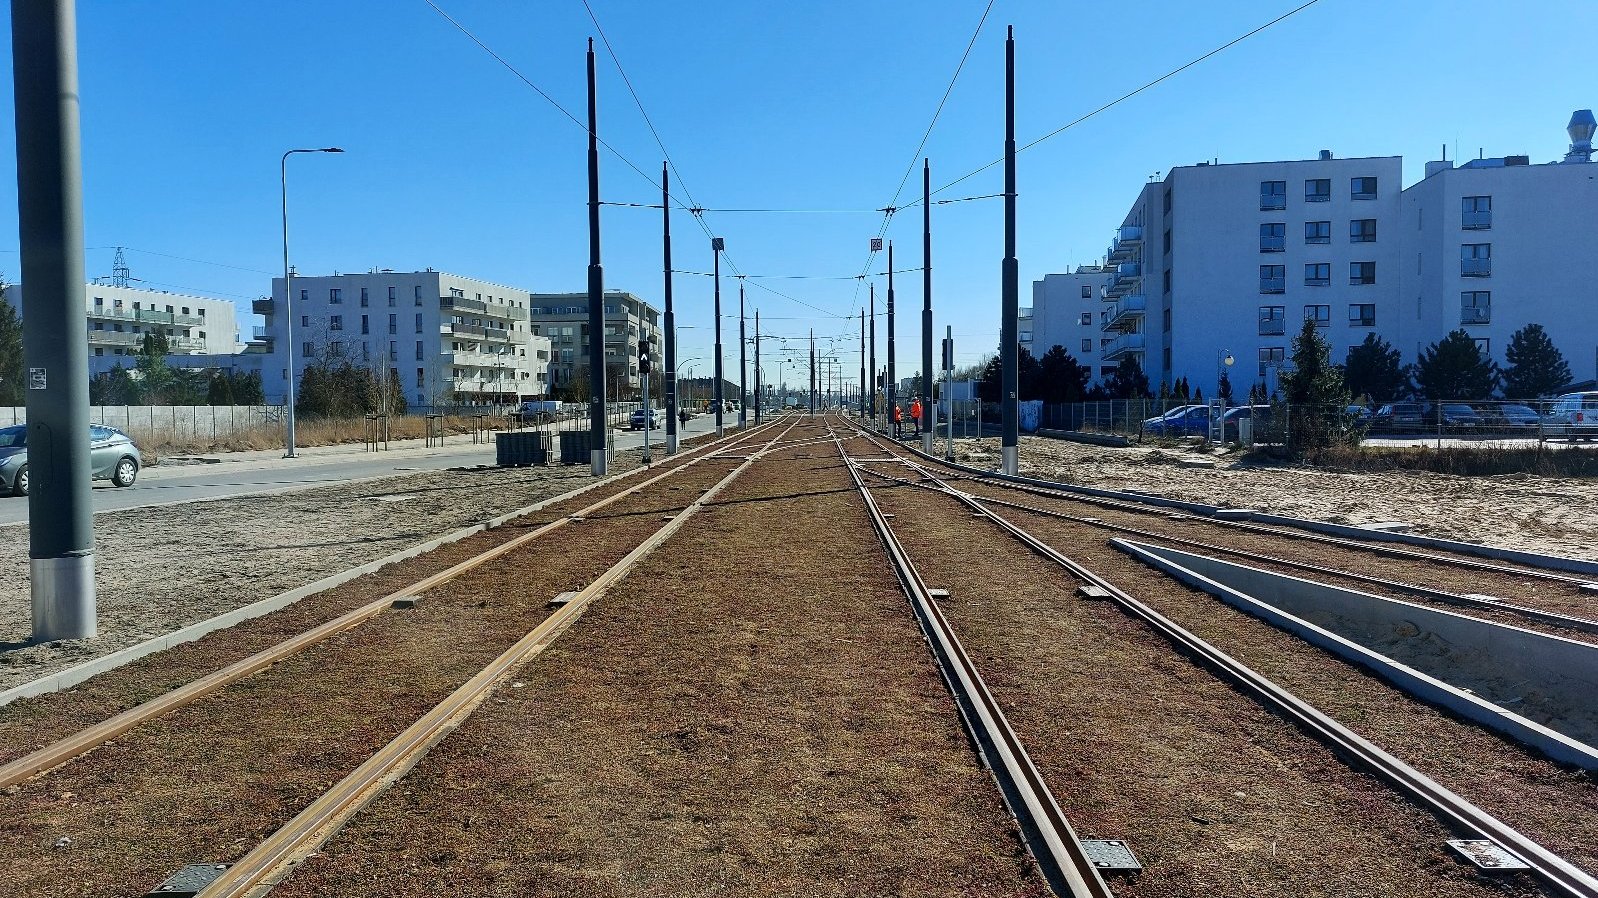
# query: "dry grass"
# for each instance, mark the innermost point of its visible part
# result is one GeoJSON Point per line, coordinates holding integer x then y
{"type": "Point", "coordinates": [1465, 461]}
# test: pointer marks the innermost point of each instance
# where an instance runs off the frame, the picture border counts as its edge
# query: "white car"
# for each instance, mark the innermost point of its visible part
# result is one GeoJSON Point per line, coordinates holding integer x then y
{"type": "Point", "coordinates": [1573, 416]}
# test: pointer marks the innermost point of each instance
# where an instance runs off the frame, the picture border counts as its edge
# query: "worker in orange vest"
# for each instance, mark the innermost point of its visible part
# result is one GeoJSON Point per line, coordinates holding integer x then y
{"type": "Point", "coordinates": [915, 413]}
{"type": "Point", "coordinates": [898, 421]}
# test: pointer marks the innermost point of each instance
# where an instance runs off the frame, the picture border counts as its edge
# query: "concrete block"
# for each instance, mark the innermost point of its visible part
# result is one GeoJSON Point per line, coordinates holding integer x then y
{"type": "Point", "coordinates": [1235, 514]}
{"type": "Point", "coordinates": [939, 594]}
{"type": "Point", "coordinates": [1089, 591]}
{"type": "Point", "coordinates": [563, 598]}
{"type": "Point", "coordinates": [405, 602]}
{"type": "Point", "coordinates": [1390, 526]}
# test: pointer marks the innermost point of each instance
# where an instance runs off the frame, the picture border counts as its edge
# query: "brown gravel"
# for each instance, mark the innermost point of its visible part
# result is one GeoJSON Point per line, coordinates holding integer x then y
{"type": "Point", "coordinates": [210, 780]}
{"type": "Point", "coordinates": [697, 733]}
{"type": "Point", "coordinates": [1216, 795]}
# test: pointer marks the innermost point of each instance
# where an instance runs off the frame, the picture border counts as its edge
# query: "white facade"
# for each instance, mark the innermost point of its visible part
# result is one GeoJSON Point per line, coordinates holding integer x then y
{"type": "Point", "coordinates": [563, 319]}
{"type": "Point", "coordinates": [1491, 247]}
{"type": "Point", "coordinates": [121, 317]}
{"type": "Point", "coordinates": [450, 340]}
{"type": "Point", "coordinates": [1067, 310]}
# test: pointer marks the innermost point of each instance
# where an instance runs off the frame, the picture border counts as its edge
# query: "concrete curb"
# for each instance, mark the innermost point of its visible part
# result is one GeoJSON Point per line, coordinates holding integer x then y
{"type": "Point", "coordinates": [1082, 436]}
{"type": "Point", "coordinates": [1421, 685]}
{"type": "Point", "coordinates": [74, 675]}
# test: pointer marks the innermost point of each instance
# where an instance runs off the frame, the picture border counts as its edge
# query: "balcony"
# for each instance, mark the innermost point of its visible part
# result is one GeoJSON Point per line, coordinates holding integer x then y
{"type": "Point", "coordinates": [1128, 277]}
{"type": "Point", "coordinates": [1273, 327]}
{"type": "Point", "coordinates": [462, 304]}
{"type": "Point", "coordinates": [1273, 285]}
{"type": "Point", "coordinates": [1476, 315]}
{"type": "Point", "coordinates": [1475, 268]}
{"type": "Point", "coordinates": [1271, 202]}
{"type": "Point", "coordinates": [1128, 241]}
{"type": "Point", "coordinates": [1127, 312]}
{"type": "Point", "coordinates": [1269, 244]}
{"type": "Point", "coordinates": [135, 341]}
{"type": "Point", "coordinates": [472, 330]}
{"type": "Point", "coordinates": [1476, 221]}
{"type": "Point", "coordinates": [1122, 346]}
{"type": "Point", "coordinates": [263, 307]}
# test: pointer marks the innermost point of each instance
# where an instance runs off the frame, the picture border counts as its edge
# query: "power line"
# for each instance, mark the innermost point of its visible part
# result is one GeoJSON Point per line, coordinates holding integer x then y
{"type": "Point", "coordinates": [1129, 95]}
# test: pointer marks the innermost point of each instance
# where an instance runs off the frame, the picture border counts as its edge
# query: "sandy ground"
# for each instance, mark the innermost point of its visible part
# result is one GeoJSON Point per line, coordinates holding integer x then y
{"type": "Point", "coordinates": [162, 568]}
{"type": "Point", "coordinates": [1521, 511]}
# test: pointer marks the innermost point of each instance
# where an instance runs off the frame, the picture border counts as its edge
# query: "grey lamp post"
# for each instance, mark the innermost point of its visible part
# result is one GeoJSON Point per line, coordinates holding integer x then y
{"type": "Point", "coordinates": [288, 296]}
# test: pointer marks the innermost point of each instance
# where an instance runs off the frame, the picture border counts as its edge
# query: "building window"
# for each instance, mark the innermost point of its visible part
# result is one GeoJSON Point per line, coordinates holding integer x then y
{"type": "Point", "coordinates": [335, 322]}
{"type": "Point", "coordinates": [1273, 320]}
{"type": "Point", "coordinates": [1085, 318]}
{"type": "Point", "coordinates": [1360, 273]}
{"type": "Point", "coordinates": [1273, 278]}
{"type": "Point", "coordinates": [1167, 281]}
{"type": "Point", "coordinates": [1476, 213]}
{"type": "Point", "coordinates": [1271, 357]}
{"type": "Point", "coordinates": [1087, 292]}
{"type": "Point", "coordinates": [391, 295]}
{"type": "Point", "coordinates": [1476, 307]}
{"type": "Point", "coordinates": [421, 376]}
{"type": "Point", "coordinates": [335, 349]}
{"type": "Point", "coordinates": [1318, 190]}
{"type": "Point", "coordinates": [99, 351]}
{"type": "Point", "coordinates": [1362, 230]}
{"type": "Point", "coordinates": [1167, 241]}
{"type": "Point", "coordinates": [1317, 232]}
{"type": "Point", "coordinates": [365, 326]}
{"type": "Point", "coordinates": [1484, 346]}
{"type": "Point", "coordinates": [305, 296]}
{"type": "Point", "coordinates": [1317, 274]}
{"type": "Point", "coordinates": [393, 351]}
{"type": "Point", "coordinates": [305, 321]}
{"type": "Point", "coordinates": [1362, 188]}
{"type": "Point", "coordinates": [308, 349]}
{"type": "Point", "coordinates": [1167, 201]}
{"type": "Point", "coordinates": [1087, 344]}
{"type": "Point", "coordinates": [1273, 195]}
{"type": "Point", "coordinates": [418, 322]}
{"type": "Point", "coordinates": [1362, 314]}
{"type": "Point", "coordinates": [1476, 260]}
{"type": "Point", "coordinates": [1273, 237]}
{"type": "Point", "coordinates": [365, 298]}
{"type": "Point", "coordinates": [419, 353]}
{"type": "Point", "coordinates": [393, 324]}
{"type": "Point", "coordinates": [334, 294]}
{"type": "Point", "coordinates": [1320, 314]}
{"type": "Point", "coordinates": [1165, 318]}
{"type": "Point", "coordinates": [418, 294]}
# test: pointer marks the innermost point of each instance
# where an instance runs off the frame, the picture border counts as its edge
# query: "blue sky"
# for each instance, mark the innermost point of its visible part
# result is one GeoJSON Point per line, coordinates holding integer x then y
{"type": "Point", "coordinates": [454, 163]}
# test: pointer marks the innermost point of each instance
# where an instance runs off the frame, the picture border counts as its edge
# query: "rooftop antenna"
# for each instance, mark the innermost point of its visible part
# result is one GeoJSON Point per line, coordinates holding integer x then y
{"type": "Point", "coordinates": [120, 275]}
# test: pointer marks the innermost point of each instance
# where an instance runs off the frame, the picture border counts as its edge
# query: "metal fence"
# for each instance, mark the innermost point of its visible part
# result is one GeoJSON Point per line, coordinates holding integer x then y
{"type": "Point", "coordinates": [196, 420]}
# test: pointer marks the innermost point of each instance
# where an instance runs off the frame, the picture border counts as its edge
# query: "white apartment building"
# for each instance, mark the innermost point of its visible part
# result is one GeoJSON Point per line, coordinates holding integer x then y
{"type": "Point", "coordinates": [563, 319]}
{"type": "Point", "coordinates": [450, 340]}
{"type": "Point", "coordinates": [121, 317]}
{"type": "Point", "coordinates": [1067, 311]}
{"type": "Point", "coordinates": [1495, 244]}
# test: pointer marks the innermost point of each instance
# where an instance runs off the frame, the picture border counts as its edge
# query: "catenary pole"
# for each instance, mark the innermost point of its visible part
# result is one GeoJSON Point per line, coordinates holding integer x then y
{"type": "Point", "coordinates": [892, 386]}
{"type": "Point", "coordinates": [862, 364]}
{"type": "Point", "coordinates": [927, 406]}
{"type": "Point", "coordinates": [873, 387]}
{"type": "Point", "coordinates": [715, 249]}
{"type": "Point", "coordinates": [44, 61]}
{"type": "Point", "coordinates": [1009, 321]}
{"type": "Point", "coordinates": [669, 376]}
{"type": "Point", "coordinates": [599, 454]}
{"type": "Point", "coordinates": [743, 362]}
{"type": "Point", "coordinates": [948, 388]}
{"type": "Point", "coordinates": [757, 367]}
{"type": "Point", "coordinates": [812, 372]}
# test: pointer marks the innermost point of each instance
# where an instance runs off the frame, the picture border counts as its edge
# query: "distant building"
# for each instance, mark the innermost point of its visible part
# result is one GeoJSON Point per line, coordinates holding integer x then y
{"type": "Point", "coordinates": [563, 318]}
{"type": "Point", "coordinates": [1067, 311]}
{"type": "Point", "coordinates": [121, 317]}
{"type": "Point", "coordinates": [450, 340]}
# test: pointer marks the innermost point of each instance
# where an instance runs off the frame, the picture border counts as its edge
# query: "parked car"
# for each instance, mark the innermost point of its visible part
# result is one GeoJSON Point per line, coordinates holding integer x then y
{"type": "Point", "coordinates": [112, 456]}
{"type": "Point", "coordinates": [1573, 416]}
{"type": "Point", "coordinates": [1193, 420]}
{"type": "Point", "coordinates": [1179, 410]}
{"type": "Point", "coordinates": [1399, 417]}
{"type": "Point", "coordinates": [1229, 426]}
{"type": "Point", "coordinates": [654, 416]}
{"type": "Point", "coordinates": [1510, 417]}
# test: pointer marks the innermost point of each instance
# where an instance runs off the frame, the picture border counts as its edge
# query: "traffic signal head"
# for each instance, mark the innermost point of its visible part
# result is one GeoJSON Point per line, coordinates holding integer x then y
{"type": "Point", "coordinates": [645, 364]}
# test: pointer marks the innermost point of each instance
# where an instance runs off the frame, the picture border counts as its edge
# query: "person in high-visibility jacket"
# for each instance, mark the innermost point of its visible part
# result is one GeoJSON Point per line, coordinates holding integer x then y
{"type": "Point", "coordinates": [915, 414]}
{"type": "Point", "coordinates": [898, 421]}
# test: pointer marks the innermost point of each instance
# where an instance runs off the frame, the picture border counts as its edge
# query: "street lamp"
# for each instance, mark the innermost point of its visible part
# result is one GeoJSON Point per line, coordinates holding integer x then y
{"type": "Point", "coordinates": [288, 294]}
{"type": "Point", "coordinates": [1223, 360]}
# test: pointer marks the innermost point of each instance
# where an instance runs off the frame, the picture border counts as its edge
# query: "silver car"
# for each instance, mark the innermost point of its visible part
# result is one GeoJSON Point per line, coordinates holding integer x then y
{"type": "Point", "coordinates": [112, 456]}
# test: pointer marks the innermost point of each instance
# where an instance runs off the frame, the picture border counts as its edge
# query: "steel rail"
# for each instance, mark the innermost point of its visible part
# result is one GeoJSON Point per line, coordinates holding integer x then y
{"type": "Point", "coordinates": [1581, 624]}
{"type": "Point", "coordinates": [1560, 875]}
{"type": "Point", "coordinates": [331, 810]}
{"type": "Point", "coordinates": [1377, 548]}
{"type": "Point", "coordinates": [1044, 826]}
{"type": "Point", "coordinates": [80, 743]}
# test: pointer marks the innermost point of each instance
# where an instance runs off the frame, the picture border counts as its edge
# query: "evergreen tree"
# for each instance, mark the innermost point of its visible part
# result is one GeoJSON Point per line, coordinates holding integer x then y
{"type": "Point", "coordinates": [1029, 377]}
{"type": "Point", "coordinates": [1064, 379]}
{"type": "Point", "coordinates": [1536, 366]}
{"type": "Point", "coordinates": [1224, 388]}
{"type": "Point", "coordinates": [12, 388]}
{"type": "Point", "coordinates": [1374, 369]}
{"type": "Point", "coordinates": [1455, 368]}
{"type": "Point", "coordinates": [1128, 381]}
{"type": "Point", "coordinates": [1316, 398]}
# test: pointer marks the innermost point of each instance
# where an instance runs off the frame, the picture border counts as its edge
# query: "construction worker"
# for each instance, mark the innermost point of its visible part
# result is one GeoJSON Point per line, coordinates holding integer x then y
{"type": "Point", "coordinates": [898, 422]}
{"type": "Point", "coordinates": [915, 413]}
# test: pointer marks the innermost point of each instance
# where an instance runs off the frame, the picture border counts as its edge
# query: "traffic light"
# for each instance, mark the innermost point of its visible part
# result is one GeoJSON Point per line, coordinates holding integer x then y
{"type": "Point", "coordinates": [644, 363]}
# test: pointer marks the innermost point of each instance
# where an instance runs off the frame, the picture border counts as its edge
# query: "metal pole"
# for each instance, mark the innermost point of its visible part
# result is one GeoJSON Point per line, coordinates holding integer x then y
{"type": "Point", "coordinates": [649, 413]}
{"type": "Point", "coordinates": [873, 387]}
{"type": "Point", "coordinates": [1009, 322]}
{"type": "Point", "coordinates": [670, 374]}
{"type": "Point", "coordinates": [948, 387]}
{"type": "Point", "coordinates": [44, 63]}
{"type": "Point", "coordinates": [288, 310]}
{"type": "Point", "coordinates": [715, 247]}
{"type": "Point", "coordinates": [927, 408]}
{"type": "Point", "coordinates": [743, 364]}
{"type": "Point", "coordinates": [891, 386]}
{"type": "Point", "coordinates": [862, 364]}
{"type": "Point", "coordinates": [812, 372]}
{"type": "Point", "coordinates": [599, 454]}
{"type": "Point", "coordinates": [757, 367]}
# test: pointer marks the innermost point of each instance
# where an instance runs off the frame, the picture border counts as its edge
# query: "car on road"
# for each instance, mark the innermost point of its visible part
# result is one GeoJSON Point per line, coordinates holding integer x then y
{"type": "Point", "coordinates": [112, 456]}
{"type": "Point", "coordinates": [1573, 416]}
{"type": "Point", "coordinates": [654, 416]}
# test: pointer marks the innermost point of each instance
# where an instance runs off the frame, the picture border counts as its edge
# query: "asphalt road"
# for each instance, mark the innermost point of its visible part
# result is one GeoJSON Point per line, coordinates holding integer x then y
{"type": "Point", "coordinates": [255, 473]}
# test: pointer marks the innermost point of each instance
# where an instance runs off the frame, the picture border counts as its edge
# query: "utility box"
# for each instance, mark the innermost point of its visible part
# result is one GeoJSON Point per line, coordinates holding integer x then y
{"type": "Point", "coordinates": [520, 448]}
{"type": "Point", "coordinates": [576, 447]}
{"type": "Point", "coordinates": [1245, 432]}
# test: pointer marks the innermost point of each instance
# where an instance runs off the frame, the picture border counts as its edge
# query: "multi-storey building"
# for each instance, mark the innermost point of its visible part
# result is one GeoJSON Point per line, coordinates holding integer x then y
{"type": "Point", "coordinates": [447, 339]}
{"type": "Point", "coordinates": [1495, 244]}
{"type": "Point", "coordinates": [563, 318]}
{"type": "Point", "coordinates": [121, 317]}
{"type": "Point", "coordinates": [1067, 312]}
